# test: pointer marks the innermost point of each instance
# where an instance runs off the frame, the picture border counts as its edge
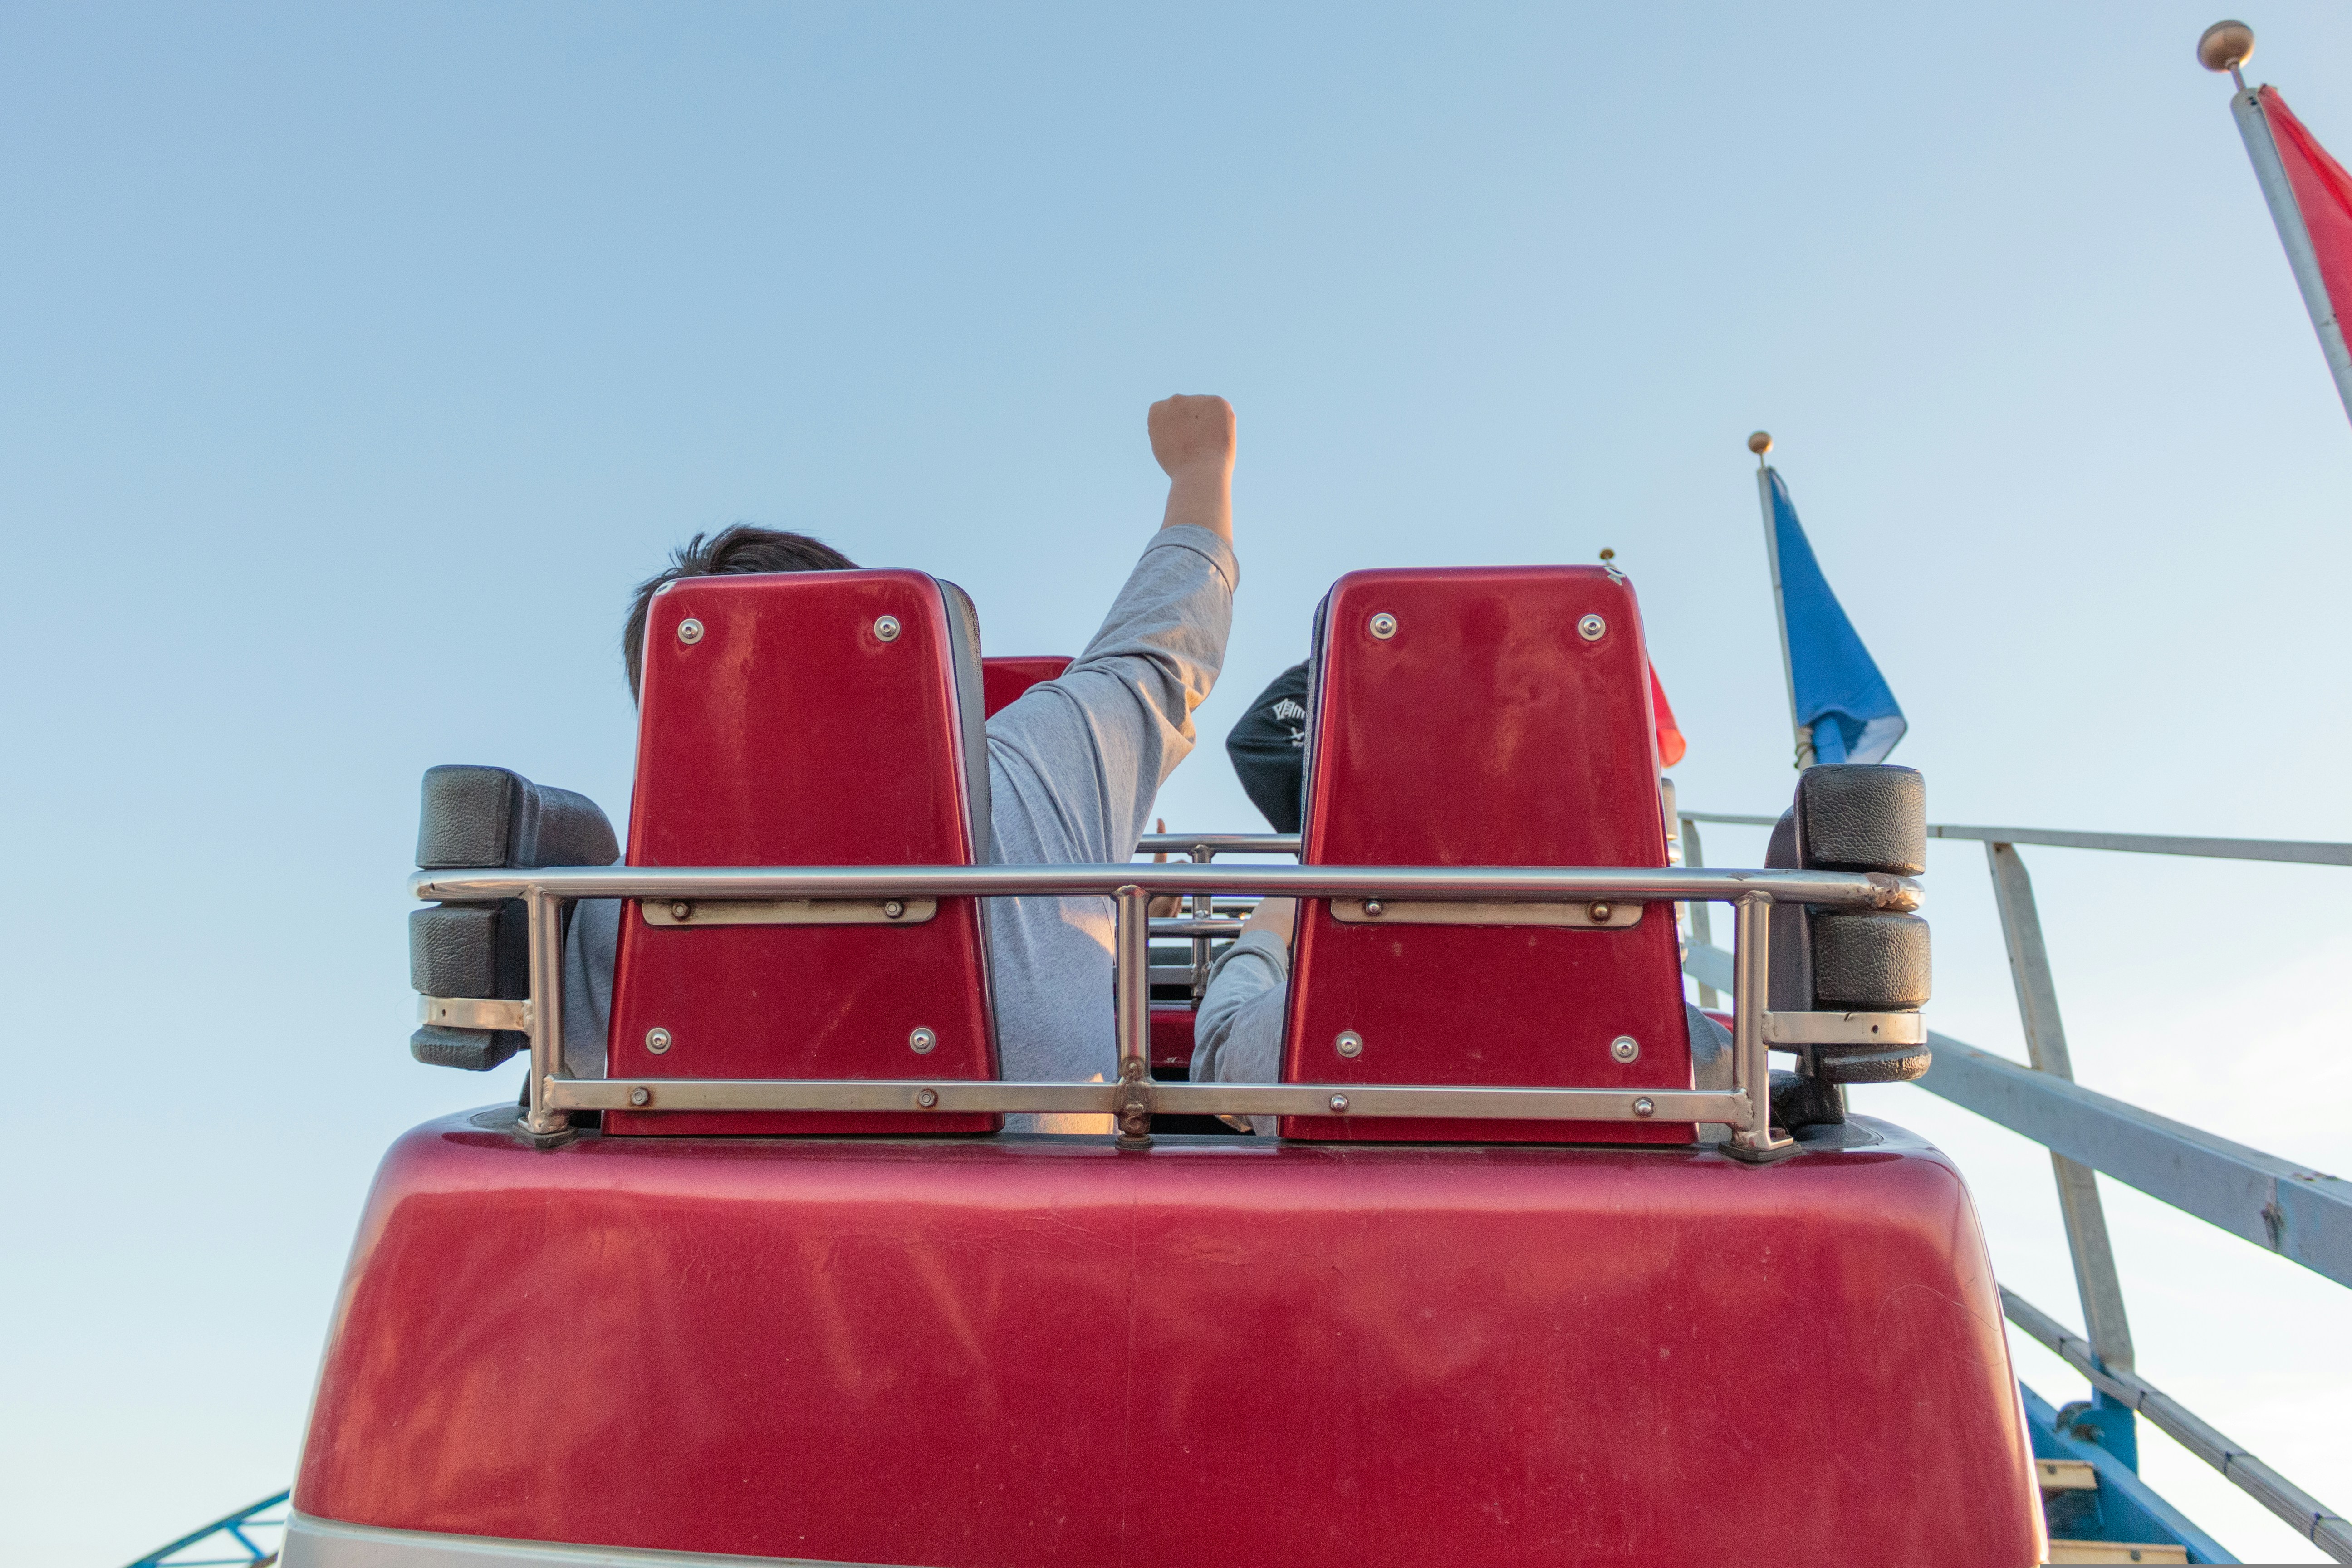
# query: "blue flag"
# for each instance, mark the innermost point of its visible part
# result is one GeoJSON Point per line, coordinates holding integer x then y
{"type": "Point", "coordinates": [1840, 693]}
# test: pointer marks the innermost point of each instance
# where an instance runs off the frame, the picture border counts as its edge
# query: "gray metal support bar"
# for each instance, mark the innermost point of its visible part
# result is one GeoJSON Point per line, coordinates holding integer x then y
{"type": "Point", "coordinates": [1702, 926]}
{"type": "Point", "coordinates": [1204, 907]}
{"type": "Point", "coordinates": [1751, 1060]}
{"type": "Point", "coordinates": [2301, 852]}
{"type": "Point", "coordinates": [2313, 1520]}
{"type": "Point", "coordinates": [545, 913]}
{"type": "Point", "coordinates": [2303, 1214]}
{"type": "Point", "coordinates": [1709, 966]}
{"type": "Point", "coordinates": [1221, 843]}
{"type": "Point", "coordinates": [1131, 1011]}
{"type": "Point", "coordinates": [2095, 1279]}
{"type": "Point", "coordinates": [2295, 851]}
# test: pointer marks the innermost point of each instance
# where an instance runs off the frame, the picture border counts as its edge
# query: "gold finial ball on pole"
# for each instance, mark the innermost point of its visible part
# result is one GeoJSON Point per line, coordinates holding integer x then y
{"type": "Point", "coordinates": [1761, 443]}
{"type": "Point", "coordinates": [2225, 46]}
{"type": "Point", "coordinates": [1607, 555]}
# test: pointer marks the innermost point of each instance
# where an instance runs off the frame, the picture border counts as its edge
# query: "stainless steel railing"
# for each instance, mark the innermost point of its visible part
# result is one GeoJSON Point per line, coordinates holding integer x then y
{"type": "Point", "coordinates": [1134, 1097]}
{"type": "Point", "coordinates": [1201, 849]}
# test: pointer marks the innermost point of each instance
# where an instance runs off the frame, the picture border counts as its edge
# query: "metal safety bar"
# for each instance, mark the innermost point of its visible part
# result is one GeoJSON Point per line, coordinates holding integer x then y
{"type": "Point", "coordinates": [1218, 843]}
{"type": "Point", "coordinates": [1203, 848]}
{"type": "Point", "coordinates": [1503, 884]}
{"type": "Point", "coordinates": [1134, 1098]}
{"type": "Point", "coordinates": [1198, 927]}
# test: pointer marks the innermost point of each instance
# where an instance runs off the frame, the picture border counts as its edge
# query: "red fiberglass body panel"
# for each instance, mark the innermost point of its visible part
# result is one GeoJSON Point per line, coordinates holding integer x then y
{"type": "Point", "coordinates": [1054, 1351]}
{"type": "Point", "coordinates": [1486, 729]}
{"type": "Point", "coordinates": [1005, 678]}
{"type": "Point", "coordinates": [790, 732]}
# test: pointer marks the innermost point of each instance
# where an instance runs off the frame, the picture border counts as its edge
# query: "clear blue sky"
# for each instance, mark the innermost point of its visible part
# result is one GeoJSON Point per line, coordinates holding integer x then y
{"type": "Point", "coordinates": [355, 360]}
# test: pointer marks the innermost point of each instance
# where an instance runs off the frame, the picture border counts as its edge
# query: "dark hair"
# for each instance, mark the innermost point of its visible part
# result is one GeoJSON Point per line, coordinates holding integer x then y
{"type": "Point", "coordinates": [745, 547]}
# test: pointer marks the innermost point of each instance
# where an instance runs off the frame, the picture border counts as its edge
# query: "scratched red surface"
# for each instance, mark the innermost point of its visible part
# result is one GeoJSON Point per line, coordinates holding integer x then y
{"type": "Point", "coordinates": [1486, 730]}
{"type": "Point", "coordinates": [1035, 1351]}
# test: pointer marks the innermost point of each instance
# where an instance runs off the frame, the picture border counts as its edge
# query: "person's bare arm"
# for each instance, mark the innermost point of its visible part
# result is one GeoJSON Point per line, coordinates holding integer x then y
{"type": "Point", "coordinates": [1193, 439]}
{"type": "Point", "coordinates": [1273, 915]}
{"type": "Point", "coordinates": [1168, 905]}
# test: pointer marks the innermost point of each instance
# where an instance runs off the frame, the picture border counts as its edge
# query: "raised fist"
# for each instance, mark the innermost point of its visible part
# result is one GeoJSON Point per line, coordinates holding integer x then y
{"type": "Point", "coordinates": [1191, 434]}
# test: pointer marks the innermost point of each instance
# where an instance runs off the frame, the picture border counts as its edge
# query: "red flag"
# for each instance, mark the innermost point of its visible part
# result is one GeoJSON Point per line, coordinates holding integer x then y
{"type": "Point", "coordinates": [2322, 190]}
{"type": "Point", "coordinates": [2310, 197]}
{"type": "Point", "coordinates": [1670, 740]}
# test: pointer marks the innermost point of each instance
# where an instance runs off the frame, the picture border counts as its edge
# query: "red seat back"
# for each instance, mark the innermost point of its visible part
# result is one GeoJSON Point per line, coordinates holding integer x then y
{"type": "Point", "coordinates": [1496, 723]}
{"type": "Point", "coordinates": [1005, 679]}
{"type": "Point", "coordinates": [806, 718]}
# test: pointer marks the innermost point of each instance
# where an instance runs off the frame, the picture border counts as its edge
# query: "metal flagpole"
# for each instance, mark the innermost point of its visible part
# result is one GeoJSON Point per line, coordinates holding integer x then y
{"type": "Point", "coordinates": [2225, 47]}
{"type": "Point", "coordinates": [1761, 443]}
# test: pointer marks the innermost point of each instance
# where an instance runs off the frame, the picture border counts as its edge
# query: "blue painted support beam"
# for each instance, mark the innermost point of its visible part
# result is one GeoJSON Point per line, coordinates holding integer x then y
{"type": "Point", "coordinates": [2310, 1518]}
{"type": "Point", "coordinates": [249, 1552]}
{"type": "Point", "coordinates": [2107, 1421]}
{"type": "Point", "coordinates": [2123, 1509]}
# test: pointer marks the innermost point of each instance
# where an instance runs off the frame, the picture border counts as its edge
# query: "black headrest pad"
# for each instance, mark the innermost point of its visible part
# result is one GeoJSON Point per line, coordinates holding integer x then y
{"type": "Point", "coordinates": [1862, 817]}
{"type": "Point", "coordinates": [495, 817]}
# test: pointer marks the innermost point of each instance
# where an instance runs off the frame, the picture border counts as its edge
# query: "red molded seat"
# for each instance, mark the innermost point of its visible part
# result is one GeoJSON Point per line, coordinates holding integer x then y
{"type": "Point", "coordinates": [1484, 716]}
{"type": "Point", "coordinates": [806, 718]}
{"type": "Point", "coordinates": [1005, 678]}
{"type": "Point", "coordinates": [1171, 1037]}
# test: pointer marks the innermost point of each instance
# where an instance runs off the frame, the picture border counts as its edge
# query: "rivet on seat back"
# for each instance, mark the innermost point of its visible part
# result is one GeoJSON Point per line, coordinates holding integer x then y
{"type": "Point", "coordinates": [819, 719]}
{"type": "Point", "coordinates": [1484, 717]}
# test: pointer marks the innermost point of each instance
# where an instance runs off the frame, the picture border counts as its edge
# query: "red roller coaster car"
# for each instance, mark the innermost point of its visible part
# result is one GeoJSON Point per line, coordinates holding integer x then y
{"type": "Point", "coordinates": [1531, 1275]}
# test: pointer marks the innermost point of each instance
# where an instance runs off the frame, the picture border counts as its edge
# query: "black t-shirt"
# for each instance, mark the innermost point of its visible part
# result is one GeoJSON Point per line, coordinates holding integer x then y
{"type": "Point", "coordinates": [1268, 747]}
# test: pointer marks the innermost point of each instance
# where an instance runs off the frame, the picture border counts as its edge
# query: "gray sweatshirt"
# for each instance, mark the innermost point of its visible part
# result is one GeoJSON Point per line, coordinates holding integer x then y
{"type": "Point", "coordinates": [1073, 767]}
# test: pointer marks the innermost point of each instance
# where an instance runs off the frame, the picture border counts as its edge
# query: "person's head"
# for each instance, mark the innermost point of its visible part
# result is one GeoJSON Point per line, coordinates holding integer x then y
{"type": "Point", "coordinates": [742, 548]}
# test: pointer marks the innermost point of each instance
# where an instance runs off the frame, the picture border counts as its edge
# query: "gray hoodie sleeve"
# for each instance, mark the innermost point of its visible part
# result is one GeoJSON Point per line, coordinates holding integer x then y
{"type": "Point", "coordinates": [1237, 1034]}
{"type": "Point", "coordinates": [1086, 752]}
{"type": "Point", "coordinates": [1073, 766]}
{"type": "Point", "coordinates": [589, 947]}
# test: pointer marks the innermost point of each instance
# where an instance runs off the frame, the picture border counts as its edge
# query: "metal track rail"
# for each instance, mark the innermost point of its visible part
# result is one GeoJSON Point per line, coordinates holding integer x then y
{"type": "Point", "coordinates": [2312, 1519]}
{"type": "Point", "coordinates": [232, 1534]}
{"type": "Point", "coordinates": [2299, 851]}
